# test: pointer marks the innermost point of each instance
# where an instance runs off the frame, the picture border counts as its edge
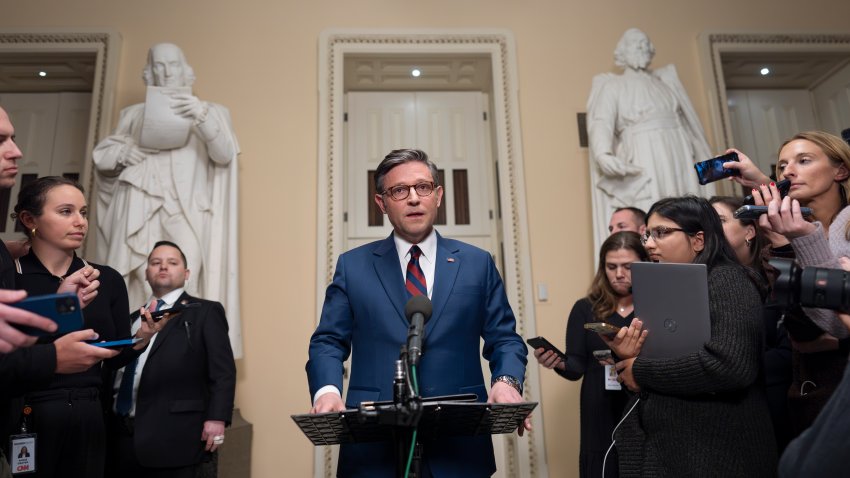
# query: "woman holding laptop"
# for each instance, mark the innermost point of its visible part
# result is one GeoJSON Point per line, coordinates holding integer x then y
{"type": "Point", "coordinates": [703, 413]}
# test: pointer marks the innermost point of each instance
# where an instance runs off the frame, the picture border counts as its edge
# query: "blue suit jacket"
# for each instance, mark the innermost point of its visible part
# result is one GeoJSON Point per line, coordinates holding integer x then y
{"type": "Point", "coordinates": [363, 315]}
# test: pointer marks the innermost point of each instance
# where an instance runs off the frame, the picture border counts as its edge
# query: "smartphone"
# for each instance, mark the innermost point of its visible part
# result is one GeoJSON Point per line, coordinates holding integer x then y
{"type": "Point", "coordinates": [712, 169]}
{"type": "Point", "coordinates": [540, 342]}
{"type": "Point", "coordinates": [64, 309]}
{"type": "Point", "coordinates": [753, 212]}
{"type": "Point", "coordinates": [604, 354]}
{"type": "Point", "coordinates": [783, 186]}
{"type": "Point", "coordinates": [128, 342]}
{"type": "Point", "coordinates": [175, 309]}
{"type": "Point", "coordinates": [602, 328]}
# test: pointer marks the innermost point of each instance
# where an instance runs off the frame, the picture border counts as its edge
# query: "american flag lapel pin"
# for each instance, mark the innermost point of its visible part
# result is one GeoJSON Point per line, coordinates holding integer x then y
{"type": "Point", "coordinates": [450, 259]}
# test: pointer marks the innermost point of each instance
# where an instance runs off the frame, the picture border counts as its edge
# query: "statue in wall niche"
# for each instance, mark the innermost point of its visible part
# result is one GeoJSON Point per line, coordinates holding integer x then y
{"type": "Point", "coordinates": [169, 172]}
{"type": "Point", "coordinates": [644, 135]}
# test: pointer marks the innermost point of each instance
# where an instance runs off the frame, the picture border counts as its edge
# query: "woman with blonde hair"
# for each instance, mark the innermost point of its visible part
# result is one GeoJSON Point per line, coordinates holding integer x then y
{"type": "Point", "coordinates": [818, 166]}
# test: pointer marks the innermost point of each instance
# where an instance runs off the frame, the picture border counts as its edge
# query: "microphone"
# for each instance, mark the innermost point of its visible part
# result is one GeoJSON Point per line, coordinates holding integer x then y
{"type": "Point", "coordinates": [783, 186]}
{"type": "Point", "coordinates": [417, 311]}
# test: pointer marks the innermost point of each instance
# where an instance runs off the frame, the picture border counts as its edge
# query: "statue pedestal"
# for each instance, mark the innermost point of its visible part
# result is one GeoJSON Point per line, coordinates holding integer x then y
{"type": "Point", "coordinates": [234, 457]}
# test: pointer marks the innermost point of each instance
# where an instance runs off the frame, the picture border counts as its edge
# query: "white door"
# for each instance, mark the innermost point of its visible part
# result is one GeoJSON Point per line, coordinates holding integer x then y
{"type": "Point", "coordinates": [832, 100]}
{"type": "Point", "coordinates": [451, 128]}
{"type": "Point", "coordinates": [51, 131]}
{"type": "Point", "coordinates": [763, 119]}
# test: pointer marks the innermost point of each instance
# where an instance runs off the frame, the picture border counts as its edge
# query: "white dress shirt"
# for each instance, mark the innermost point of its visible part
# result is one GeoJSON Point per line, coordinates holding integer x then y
{"type": "Point", "coordinates": [168, 301]}
{"type": "Point", "coordinates": [428, 263]}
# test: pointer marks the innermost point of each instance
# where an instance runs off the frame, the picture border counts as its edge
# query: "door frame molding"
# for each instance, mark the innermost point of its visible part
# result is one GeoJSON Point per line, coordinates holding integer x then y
{"type": "Point", "coordinates": [106, 45]}
{"type": "Point", "coordinates": [713, 43]}
{"type": "Point", "coordinates": [524, 458]}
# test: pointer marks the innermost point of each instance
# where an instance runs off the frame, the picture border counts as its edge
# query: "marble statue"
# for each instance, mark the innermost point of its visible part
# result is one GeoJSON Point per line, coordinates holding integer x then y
{"type": "Point", "coordinates": [181, 188]}
{"type": "Point", "coordinates": [644, 135]}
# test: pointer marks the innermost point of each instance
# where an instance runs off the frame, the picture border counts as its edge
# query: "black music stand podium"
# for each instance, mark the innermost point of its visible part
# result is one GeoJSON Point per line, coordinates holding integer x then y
{"type": "Point", "coordinates": [447, 416]}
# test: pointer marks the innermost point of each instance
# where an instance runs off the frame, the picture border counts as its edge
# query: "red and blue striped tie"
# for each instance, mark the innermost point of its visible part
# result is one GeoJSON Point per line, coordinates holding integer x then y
{"type": "Point", "coordinates": [415, 281]}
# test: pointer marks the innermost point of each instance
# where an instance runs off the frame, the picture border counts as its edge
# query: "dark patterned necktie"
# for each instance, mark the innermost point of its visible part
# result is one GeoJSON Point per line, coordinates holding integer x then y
{"type": "Point", "coordinates": [124, 401]}
{"type": "Point", "coordinates": [415, 281]}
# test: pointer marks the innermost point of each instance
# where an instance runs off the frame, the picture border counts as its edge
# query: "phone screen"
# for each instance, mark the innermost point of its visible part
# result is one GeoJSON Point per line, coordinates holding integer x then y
{"type": "Point", "coordinates": [712, 169]}
{"type": "Point", "coordinates": [117, 343]}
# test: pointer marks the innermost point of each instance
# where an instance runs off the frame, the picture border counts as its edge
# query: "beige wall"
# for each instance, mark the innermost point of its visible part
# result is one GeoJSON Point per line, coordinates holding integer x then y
{"type": "Point", "coordinates": [259, 58]}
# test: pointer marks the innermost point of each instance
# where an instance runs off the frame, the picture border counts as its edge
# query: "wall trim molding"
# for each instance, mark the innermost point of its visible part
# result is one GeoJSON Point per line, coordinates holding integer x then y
{"type": "Point", "coordinates": [713, 44]}
{"type": "Point", "coordinates": [524, 457]}
{"type": "Point", "coordinates": [106, 45]}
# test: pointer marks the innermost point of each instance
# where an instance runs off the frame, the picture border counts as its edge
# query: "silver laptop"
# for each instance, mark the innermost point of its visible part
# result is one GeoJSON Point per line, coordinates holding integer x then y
{"type": "Point", "coordinates": [672, 302]}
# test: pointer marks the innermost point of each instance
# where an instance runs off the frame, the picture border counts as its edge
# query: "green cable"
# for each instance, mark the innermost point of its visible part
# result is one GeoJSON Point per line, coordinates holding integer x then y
{"type": "Point", "coordinates": [413, 441]}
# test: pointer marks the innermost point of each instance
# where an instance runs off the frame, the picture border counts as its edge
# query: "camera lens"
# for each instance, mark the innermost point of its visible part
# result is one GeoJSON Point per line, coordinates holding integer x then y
{"type": "Point", "coordinates": [811, 286]}
{"type": "Point", "coordinates": [65, 305]}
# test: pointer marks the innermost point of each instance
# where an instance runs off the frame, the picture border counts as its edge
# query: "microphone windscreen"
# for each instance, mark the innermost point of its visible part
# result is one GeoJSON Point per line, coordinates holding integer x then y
{"type": "Point", "coordinates": [420, 304]}
{"type": "Point", "coordinates": [845, 135]}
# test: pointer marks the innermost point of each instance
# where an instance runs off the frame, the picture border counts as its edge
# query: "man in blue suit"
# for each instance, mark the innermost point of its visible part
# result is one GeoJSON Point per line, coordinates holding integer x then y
{"type": "Point", "coordinates": [363, 314]}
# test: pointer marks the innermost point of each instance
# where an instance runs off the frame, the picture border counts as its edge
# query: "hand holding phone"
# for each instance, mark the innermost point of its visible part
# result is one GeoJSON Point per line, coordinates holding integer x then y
{"type": "Point", "coordinates": [603, 328]}
{"type": "Point", "coordinates": [117, 344]}
{"type": "Point", "coordinates": [783, 186]}
{"type": "Point", "coordinates": [712, 169]}
{"type": "Point", "coordinates": [174, 310]}
{"type": "Point", "coordinates": [64, 309]}
{"type": "Point", "coordinates": [604, 356]}
{"type": "Point", "coordinates": [542, 343]}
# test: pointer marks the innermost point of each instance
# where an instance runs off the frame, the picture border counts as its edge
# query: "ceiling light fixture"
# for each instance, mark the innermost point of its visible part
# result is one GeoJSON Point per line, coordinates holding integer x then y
{"type": "Point", "coordinates": [42, 74]}
{"type": "Point", "coordinates": [415, 72]}
{"type": "Point", "coordinates": [764, 71]}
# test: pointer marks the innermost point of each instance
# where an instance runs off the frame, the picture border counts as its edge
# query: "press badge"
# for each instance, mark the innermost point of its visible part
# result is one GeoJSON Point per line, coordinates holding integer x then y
{"type": "Point", "coordinates": [611, 382]}
{"type": "Point", "coordinates": [22, 454]}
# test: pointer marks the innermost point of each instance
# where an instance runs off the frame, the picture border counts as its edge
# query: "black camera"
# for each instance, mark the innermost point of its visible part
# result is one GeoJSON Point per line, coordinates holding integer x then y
{"type": "Point", "coordinates": [815, 287]}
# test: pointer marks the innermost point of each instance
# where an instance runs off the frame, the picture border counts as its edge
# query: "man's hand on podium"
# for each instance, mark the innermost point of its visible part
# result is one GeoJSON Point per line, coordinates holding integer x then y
{"type": "Point", "coordinates": [501, 392]}
{"type": "Point", "coordinates": [328, 402]}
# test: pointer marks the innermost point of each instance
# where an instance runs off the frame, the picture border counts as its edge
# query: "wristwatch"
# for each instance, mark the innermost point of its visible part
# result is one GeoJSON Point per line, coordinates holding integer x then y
{"type": "Point", "coordinates": [508, 380]}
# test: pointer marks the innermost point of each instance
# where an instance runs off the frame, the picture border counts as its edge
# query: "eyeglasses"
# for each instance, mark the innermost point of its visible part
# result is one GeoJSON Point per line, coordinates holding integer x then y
{"type": "Point", "coordinates": [658, 233]}
{"type": "Point", "coordinates": [401, 191]}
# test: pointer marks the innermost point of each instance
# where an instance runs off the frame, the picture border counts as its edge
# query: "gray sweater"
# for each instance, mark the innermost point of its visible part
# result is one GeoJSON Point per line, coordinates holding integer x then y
{"type": "Point", "coordinates": [813, 250]}
{"type": "Point", "coordinates": [705, 414]}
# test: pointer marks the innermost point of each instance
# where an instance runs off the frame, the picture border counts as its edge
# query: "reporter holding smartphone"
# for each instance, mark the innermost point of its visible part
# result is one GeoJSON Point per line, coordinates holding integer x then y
{"type": "Point", "coordinates": [818, 166]}
{"type": "Point", "coordinates": [705, 412]}
{"type": "Point", "coordinates": [24, 366]}
{"type": "Point", "coordinates": [608, 300]}
{"type": "Point", "coordinates": [66, 413]}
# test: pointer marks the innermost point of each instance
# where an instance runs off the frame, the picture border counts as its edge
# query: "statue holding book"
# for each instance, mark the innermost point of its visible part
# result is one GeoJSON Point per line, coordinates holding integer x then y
{"type": "Point", "coordinates": [169, 172]}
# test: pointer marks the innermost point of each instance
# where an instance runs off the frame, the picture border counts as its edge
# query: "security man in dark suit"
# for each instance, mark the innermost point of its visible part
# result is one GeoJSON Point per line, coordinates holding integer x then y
{"type": "Point", "coordinates": [170, 409]}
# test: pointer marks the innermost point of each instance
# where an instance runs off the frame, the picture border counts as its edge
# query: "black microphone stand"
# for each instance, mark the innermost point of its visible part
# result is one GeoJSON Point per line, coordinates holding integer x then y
{"type": "Point", "coordinates": [403, 415]}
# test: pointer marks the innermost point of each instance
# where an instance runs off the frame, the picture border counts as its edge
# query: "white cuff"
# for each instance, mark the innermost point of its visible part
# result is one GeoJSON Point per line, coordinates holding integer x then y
{"type": "Point", "coordinates": [324, 390]}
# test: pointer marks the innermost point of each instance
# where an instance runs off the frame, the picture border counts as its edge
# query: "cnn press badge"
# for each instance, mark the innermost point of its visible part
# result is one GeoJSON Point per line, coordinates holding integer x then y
{"type": "Point", "coordinates": [22, 454]}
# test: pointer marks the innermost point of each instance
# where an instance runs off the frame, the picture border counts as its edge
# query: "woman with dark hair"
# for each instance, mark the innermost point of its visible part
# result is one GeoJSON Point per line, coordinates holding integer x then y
{"type": "Point", "coordinates": [608, 300]}
{"type": "Point", "coordinates": [66, 413]}
{"type": "Point", "coordinates": [704, 413]}
{"type": "Point", "coordinates": [818, 166]}
{"type": "Point", "coordinates": [751, 246]}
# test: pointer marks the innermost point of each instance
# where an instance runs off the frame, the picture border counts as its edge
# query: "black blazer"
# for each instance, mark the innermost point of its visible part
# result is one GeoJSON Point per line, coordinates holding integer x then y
{"type": "Point", "coordinates": [189, 377]}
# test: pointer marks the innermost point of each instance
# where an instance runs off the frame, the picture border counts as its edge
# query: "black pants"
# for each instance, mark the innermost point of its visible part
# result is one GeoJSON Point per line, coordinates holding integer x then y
{"type": "Point", "coordinates": [122, 461]}
{"type": "Point", "coordinates": [70, 432]}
